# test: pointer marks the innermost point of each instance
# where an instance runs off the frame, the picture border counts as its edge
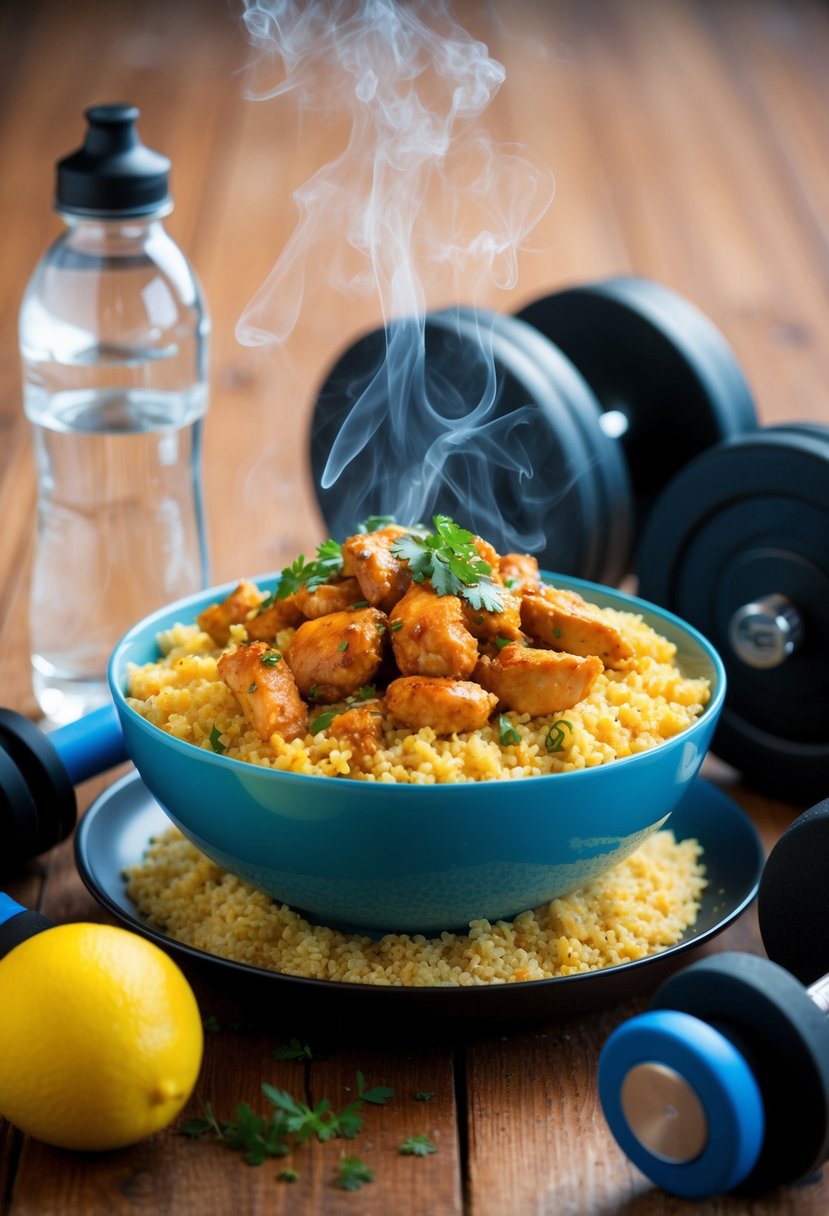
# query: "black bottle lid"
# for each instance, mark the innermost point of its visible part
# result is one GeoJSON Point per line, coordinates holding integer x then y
{"type": "Point", "coordinates": [113, 174]}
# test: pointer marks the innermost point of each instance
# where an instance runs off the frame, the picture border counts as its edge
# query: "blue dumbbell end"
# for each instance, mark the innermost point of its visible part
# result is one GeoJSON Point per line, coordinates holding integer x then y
{"type": "Point", "coordinates": [682, 1103]}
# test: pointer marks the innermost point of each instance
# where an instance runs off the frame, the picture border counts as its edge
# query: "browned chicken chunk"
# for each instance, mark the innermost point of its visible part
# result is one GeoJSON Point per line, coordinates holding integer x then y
{"type": "Point", "coordinates": [217, 619]}
{"type": "Point", "coordinates": [335, 655]}
{"type": "Point", "coordinates": [519, 570]}
{"type": "Point", "coordinates": [562, 620]}
{"type": "Point", "coordinates": [489, 554]}
{"type": "Point", "coordinates": [383, 578]}
{"type": "Point", "coordinates": [265, 624]}
{"type": "Point", "coordinates": [360, 729]}
{"type": "Point", "coordinates": [488, 626]}
{"type": "Point", "coordinates": [448, 706]}
{"type": "Point", "coordinates": [328, 597]}
{"type": "Point", "coordinates": [537, 682]}
{"type": "Point", "coordinates": [262, 683]}
{"type": "Point", "coordinates": [429, 635]}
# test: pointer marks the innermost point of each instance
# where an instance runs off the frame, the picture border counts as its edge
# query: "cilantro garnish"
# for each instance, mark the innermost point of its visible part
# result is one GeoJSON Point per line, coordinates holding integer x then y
{"type": "Point", "coordinates": [326, 565]}
{"type": "Point", "coordinates": [554, 739]}
{"type": "Point", "coordinates": [508, 732]}
{"type": "Point", "coordinates": [448, 558]}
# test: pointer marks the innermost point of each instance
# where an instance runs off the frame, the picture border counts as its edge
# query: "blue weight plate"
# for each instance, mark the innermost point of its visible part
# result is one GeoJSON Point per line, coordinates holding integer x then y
{"type": "Point", "coordinates": [116, 829]}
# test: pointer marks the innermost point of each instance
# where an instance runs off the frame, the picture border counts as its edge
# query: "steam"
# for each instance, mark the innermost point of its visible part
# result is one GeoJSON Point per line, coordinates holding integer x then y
{"type": "Point", "coordinates": [421, 205]}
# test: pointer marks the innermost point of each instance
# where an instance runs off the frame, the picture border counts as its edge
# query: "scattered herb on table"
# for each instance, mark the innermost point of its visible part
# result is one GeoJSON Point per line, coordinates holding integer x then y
{"type": "Point", "coordinates": [294, 1050]}
{"type": "Point", "coordinates": [448, 558]}
{"type": "Point", "coordinates": [288, 1176]}
{"type": "Point", "coordinates": [417, 1146]}
{"type": "Point", "coordinates": [353, 1173]}
{"type": "Point", "coordinates": [291, 1122]}
{"type": "Point", "coordinates": [211, 1023]}
{"type": "Point", "coordinates": [424, 1095]}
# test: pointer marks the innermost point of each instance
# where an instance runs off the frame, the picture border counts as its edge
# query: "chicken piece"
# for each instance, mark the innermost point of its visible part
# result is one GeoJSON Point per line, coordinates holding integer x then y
{"type": "Point", "coordinates": [489, 554]}
{"type": "Point", "coordinates": [335, 655]}
{"type": "Point", "coordinates": [383, 578]}
{"type": "Point", "coordinates": [537, 682]}
{"type": "Point", "coordinates": [360, 729]}
{"type": "Point", "coordinates": [487, 626]}
{"type": "Point", "coordinates": [429, 635]}
{"type": "Point", "coordinates": [272, 616]}
{"type": "Point", "coordinates": [448, 706]}
{"type": "Point", "coordinates": [564, 621]}
{"type": "Point", "coordinates": [328, 597]}
{"type": "Point", "coordinates": [519, 570]}
{"type": "Point", "coordinates": [262, 683]}
{"type": "Point", "coordinates": [217, 619]}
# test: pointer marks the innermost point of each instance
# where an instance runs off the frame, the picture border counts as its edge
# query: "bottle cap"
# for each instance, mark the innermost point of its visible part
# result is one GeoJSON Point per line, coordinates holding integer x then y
{"type": "Point", "coordinates": [113, 174]}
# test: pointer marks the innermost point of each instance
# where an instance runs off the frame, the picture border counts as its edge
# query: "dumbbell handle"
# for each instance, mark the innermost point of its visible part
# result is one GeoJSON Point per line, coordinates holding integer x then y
{"type": "Point", "coordinates": [38, 772]}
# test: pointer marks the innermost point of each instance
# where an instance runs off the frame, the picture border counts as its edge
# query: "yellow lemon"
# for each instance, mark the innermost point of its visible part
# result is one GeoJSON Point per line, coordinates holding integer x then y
{"type": "Point", "coordinates": [100, 1037]}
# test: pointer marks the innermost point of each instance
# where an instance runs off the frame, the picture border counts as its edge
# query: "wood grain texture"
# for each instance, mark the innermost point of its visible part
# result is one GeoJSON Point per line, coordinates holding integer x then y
{"type": "Point", "coordinates": [687, 140]}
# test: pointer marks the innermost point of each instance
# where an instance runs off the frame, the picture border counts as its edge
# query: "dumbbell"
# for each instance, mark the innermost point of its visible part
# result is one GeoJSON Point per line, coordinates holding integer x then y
{"type": "Point", "coordinates": [724, 1083]}
{"type": "Point", "coordinates": [609, 429]}
{"type": "Point", "coordinates": [38, 775]}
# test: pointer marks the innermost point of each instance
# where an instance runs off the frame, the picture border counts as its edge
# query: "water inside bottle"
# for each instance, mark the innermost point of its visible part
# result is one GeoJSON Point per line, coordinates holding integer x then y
{"type": "Point", "coordinates": [119, 531]}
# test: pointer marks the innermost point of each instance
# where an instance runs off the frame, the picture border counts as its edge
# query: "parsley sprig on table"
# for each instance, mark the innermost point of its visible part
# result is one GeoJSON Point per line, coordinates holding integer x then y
{"type": "Point", "coordinates": [448, 558]}
{"type": "Point", "coordinates": [291, 1122]}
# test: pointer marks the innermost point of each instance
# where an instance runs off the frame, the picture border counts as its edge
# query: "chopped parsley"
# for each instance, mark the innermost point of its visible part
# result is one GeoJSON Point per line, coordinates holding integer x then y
{"type": "Point", "coordinates": [507, 731]}
{"type": "Point", "coordinates": [343, 645]}
{"type": "Point", "coordinates": [353, 1173]}
{"type": "Point", "coordinates": [502, 642]}
{"type": "Point", "coordinates": [323, 721]}
{"type": "Point", "coordinates": [216, 740]}
{"type": "Point", "coordinates": [252, 687]}
{"type": "Point", "coordinates": [448, 558]}
{"type": "Point", "coordinates": [270, 658]}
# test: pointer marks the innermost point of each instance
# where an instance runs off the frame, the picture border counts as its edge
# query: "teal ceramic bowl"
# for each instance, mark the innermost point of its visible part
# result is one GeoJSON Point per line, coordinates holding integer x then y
{"type": "Point", "coordinates": [415, 858]}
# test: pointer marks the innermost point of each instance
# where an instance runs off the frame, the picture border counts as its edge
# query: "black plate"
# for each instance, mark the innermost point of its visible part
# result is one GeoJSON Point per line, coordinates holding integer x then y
{"type": "Point", "coordinates": [117, 827]}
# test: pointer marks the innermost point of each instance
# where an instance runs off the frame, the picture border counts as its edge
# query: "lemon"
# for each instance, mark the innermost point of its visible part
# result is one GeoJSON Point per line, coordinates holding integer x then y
{"type": "Point", "coordinates": [100, 1037]}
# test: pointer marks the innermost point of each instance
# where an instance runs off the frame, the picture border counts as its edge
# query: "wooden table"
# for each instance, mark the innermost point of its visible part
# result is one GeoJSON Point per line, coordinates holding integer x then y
{"type": "Point", "coordinates": [688, 144]}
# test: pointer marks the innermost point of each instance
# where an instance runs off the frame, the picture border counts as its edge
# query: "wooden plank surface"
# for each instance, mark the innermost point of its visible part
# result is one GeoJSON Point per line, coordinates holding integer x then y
{"type": "Point", "coordinates": [687, 140]}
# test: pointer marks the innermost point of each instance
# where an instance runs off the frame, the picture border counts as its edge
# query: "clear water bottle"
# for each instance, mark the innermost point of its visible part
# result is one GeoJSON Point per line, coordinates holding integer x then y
{"type": "Point", "coordinates": [113, 339]}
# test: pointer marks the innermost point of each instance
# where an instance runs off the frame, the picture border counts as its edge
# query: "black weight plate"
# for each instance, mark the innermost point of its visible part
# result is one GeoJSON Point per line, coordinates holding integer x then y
{"type": "Point", "coordinates": [787, 1037]}
{"type": "Point", "coordinates": [792, 899]}
{"type": "Point", "coordinates": [659, 368]}
{"type": "Point", "coordinates": [748, 519]}
{"type": "Point", "coordinates": [607, 466]}
{"type": "Point", "coordinates": [454, 418]}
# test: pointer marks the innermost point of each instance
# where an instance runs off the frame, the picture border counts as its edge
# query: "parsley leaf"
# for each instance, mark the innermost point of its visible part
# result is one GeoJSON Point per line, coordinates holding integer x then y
{"type": "Point", "coordinates": [353, 1173]}
{"type": "Point", "coordinates": [417, 1146]}
{"type": "Point", "coordinates": [326, 565]}
{"type": "Point", "coordinates": [448, 558]}
{"type": "Point", "coordinates": [375, 522]}
{"type": "Point", "coordinates": [294, 1051]}
{"type": "Point", "coordinates": [323, 721]}
{"type": "Point", "coordinates": [288, 1176]}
